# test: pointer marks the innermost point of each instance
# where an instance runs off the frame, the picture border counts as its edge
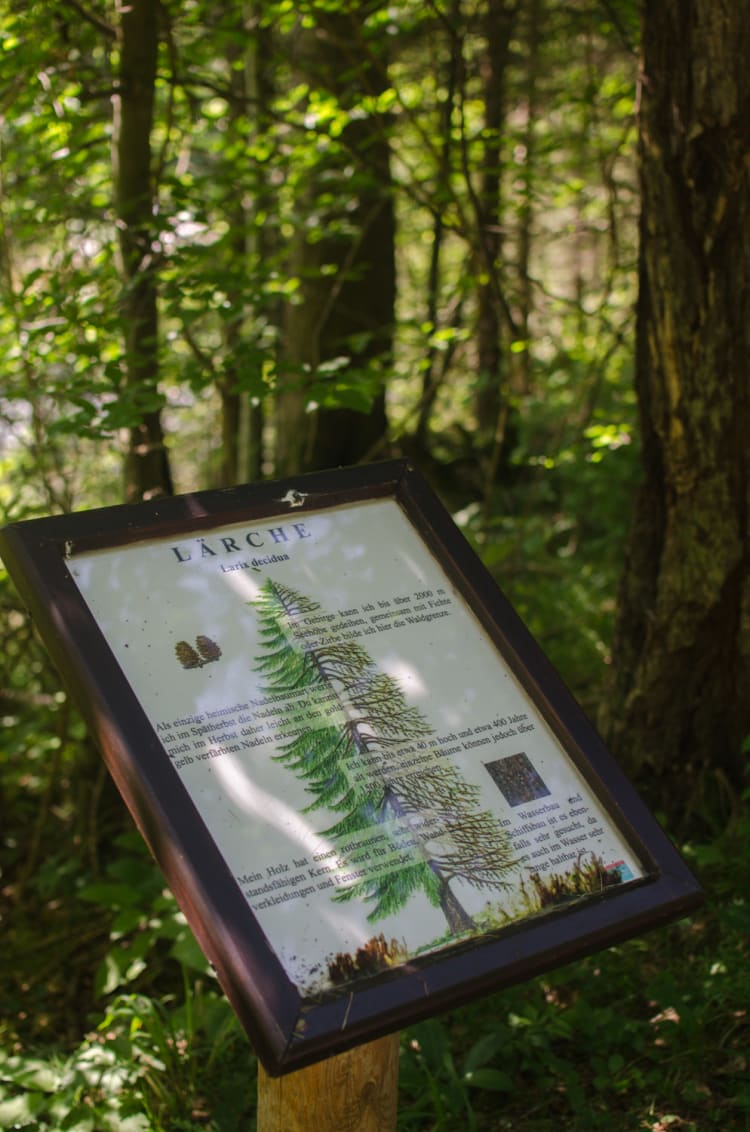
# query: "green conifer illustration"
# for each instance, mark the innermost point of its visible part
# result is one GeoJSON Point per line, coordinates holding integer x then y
{"type": "Point", "coordinates": [359, 725]}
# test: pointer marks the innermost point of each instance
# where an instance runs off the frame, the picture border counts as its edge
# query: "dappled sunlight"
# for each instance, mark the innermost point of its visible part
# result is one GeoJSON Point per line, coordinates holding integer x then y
{"type": "Point", "coordinates": [270, 810]}
{"type": "Point", "coordinates": [507, 243]}
{"type": "Point", "coordinates": [339, 733]}
{"type": "Point", "coordinates": [407, 675]}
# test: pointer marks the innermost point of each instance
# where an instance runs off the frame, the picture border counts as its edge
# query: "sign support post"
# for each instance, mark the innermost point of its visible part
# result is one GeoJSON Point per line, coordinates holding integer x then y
{"type": "Point", "coordinates": [356, 1091]}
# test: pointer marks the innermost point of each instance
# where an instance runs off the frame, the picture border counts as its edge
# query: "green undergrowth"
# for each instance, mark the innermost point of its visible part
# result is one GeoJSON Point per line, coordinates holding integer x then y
{"type": "Point", "coordinates": [111, 1020]}
{"type": "Point", "coordinates": [649, 1036]}
{"type": "Point", "coordinates": [614, 1042]}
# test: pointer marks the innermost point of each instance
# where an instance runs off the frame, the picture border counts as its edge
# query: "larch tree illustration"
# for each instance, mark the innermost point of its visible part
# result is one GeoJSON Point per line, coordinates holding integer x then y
{"type": "Point", "coordinates": [356, 728]}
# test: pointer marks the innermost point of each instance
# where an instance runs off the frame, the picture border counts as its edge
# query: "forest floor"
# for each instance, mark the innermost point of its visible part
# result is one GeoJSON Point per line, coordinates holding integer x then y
{"type": "Point", "coordinates": [111, 1021]}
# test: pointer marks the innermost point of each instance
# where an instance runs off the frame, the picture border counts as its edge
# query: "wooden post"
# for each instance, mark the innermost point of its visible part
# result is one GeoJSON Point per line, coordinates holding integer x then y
{"type": "Point", "coordinates": [356, 1091]}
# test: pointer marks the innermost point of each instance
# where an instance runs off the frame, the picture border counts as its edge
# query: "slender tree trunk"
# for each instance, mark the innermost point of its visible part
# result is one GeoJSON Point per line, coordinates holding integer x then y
{"type": "Point", "coordinates": [491, 399]}
{"type": "Point", "coordinates": [147, 471]}
{"type": "Point", "coordinates": [242, 415]}
{"type": "Point", "coordinates": [346, 304]}
{"type": "Point", "coordinates": [495, 326]}
{"type": "Point", "coordinates": [431, 377]}
{"type": "Point", "coordinates": [534, 18]}
{"type": "Point", "coordinates": [680, 706]}
{"type": "Point", "coordinates": [259, 89]}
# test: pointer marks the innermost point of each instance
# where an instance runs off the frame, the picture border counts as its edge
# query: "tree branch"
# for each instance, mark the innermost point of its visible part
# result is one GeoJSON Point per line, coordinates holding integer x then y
{"type": "Point", "coordinates": [92, 18]}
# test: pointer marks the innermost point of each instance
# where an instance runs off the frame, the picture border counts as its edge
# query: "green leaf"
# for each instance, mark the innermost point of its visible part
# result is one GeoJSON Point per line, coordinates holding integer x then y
{"type": "Point", "coordinates": [36, 1074]}
{"type": "Point", "coordinates": [110, 895]}
{"type": "Point", "coordinates": [23, 1111]}
{"type": "Point", "coordinates": [186, 950]}
{"type": "Point", "coordinates": [484, 1050]}
{"type": "Point", "coordinates": [494, 1080]}
{"type": "Point", "coordinates": [79, 1119]}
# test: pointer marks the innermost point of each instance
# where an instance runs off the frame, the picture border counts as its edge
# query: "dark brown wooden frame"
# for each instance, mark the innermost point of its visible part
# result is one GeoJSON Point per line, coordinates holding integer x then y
{"type": "Point", "coordinates": [287, 1031]}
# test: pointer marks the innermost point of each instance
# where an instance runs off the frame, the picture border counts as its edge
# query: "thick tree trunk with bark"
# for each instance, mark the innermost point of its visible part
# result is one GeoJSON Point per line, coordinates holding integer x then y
{"type": "Point", "coordinates": [680, 708]}
{"type": "Point", "coordinates": [146, 464]}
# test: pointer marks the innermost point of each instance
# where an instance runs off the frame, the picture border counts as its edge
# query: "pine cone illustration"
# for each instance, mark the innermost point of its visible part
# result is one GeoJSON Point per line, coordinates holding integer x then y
{"type": "Point", "coordinates": [208, 649]}
{"type": "Point", "coordinates": [187, 655]}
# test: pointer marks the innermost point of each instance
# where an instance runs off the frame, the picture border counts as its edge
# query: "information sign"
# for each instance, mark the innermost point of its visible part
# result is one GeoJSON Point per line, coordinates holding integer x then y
{"type": "Point", "coordinates": [368, 789]}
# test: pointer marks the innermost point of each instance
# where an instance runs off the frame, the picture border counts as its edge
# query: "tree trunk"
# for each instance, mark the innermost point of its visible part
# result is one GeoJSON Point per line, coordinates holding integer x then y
{"type": "Point", "coordinates": [147, 471]}
{"type": "Point", "coordinates": [248, 56]}
{"type": "Point", "coordinates": [680, 708]}
{"type": "Point", "coordinates": [445, 145]}
{"type": "Point", "coordinates": [534, 20]}
{"type": "Point", "coordinates": [456, 915]}
{"type": "Point", "coordinates": [346, 303]}
{"type": "Point", "coordinates": [492, 321]}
